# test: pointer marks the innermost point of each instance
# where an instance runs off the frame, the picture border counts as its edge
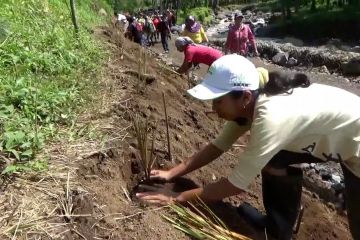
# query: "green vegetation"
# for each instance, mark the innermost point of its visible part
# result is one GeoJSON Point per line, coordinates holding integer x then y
{"type": "Point", "coordinates": [46, 72]}
{"type": "Point", "coordinates": [337, 23]}
{"type": "Point", "coordinates": [202, 14]}
{"type": "Point", "coordinates": [129, 5]}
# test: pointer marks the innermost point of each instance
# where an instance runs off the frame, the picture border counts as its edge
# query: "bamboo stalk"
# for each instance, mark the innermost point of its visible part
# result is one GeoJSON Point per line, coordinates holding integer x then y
{"type": "Point", "coordinates": [188, 79]}
{"type": "Point", "coordinates": [139, 65]}
{"type": "Point", "coordinates": [145, 62]}
{"type": "Point", "coordinates": [167, 128]}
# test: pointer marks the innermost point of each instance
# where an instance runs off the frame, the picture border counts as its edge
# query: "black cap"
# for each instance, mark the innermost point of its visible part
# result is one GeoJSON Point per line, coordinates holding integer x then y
{"type": "Point", "coordinates": [238, 14]}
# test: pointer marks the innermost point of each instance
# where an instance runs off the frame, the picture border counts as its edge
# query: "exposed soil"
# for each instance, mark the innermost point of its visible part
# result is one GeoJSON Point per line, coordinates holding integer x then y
{"type": "Point", "coordinates": [106, 207]}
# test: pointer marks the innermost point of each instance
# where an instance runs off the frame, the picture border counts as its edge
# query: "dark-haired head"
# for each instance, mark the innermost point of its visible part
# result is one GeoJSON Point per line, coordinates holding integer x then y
{"type": "Point", "coordinates": [283, 82]}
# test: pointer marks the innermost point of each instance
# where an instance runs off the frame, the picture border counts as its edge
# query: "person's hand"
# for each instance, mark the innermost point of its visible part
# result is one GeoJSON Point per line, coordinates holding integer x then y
{"type": "Point", "coordinates": [257, 54]}
{"type": "Point", "coordinates": [156, 194]}
{"type": "Point", "coordinates": [160, 175]}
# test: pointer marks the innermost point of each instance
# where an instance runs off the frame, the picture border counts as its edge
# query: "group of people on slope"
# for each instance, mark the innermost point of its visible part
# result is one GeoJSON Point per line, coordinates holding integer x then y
{"type": "Point", "coordinates": [145, 29]}
{"type": "Point", "coordinates": [239, 38]}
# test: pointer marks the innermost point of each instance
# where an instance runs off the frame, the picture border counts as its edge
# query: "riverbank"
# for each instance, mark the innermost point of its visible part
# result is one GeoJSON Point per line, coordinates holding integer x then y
{"type": "Point", "coordinates": [333, 57]}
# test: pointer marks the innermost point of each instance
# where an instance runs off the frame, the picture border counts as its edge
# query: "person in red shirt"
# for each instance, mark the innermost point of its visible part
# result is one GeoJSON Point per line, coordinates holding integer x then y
{"type": "Point", "coordinates": [156, 21]}
{"type": "Point", "coordinates": [238, 37]}
{"type": "Point", "coordinates": [195, 53]}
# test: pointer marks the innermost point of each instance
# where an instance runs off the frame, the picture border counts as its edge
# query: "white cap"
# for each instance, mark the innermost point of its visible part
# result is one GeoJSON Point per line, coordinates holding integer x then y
{"type": "Point", "coordinates": [228, 73]}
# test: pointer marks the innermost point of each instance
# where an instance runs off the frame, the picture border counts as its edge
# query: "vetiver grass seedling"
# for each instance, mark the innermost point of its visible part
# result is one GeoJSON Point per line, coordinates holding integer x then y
{"type": "Point", "coordinates": [146, 155]}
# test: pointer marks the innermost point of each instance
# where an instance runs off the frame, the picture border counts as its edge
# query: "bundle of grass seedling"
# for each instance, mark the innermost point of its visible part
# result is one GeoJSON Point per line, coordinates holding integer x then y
{"type": "Point", "coordinates": [201, 224]}
{"type": "Point", "coordinates": [147, 157]}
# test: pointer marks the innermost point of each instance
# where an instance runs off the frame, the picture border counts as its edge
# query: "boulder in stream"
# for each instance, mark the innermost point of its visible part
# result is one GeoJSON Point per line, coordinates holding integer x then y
{"type": "Point", "coordinates": [294, 41]}
{"type": "Point", "coordinates": [356, 49]}
{"type": "Point", "coordinates": [324, 69]}
{"type": "Point", "coordinates": [292, 62]}
{"type": "Point", "coordinates": [352, 67]}
{"type": "Point", "coordinates": [281, 58]}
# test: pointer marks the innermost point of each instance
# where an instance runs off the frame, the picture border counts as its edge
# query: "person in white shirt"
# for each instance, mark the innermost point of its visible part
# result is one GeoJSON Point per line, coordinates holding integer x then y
{"type": "Point", "coordinates": [291, 121]}
{"type": "Point", "coordinates": [120, 21]}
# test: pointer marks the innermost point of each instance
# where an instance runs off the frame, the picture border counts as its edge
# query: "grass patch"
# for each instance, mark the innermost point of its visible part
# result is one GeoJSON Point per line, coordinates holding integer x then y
{"type": "Point", "coordinates": [202, 14]}
{"type": "Point", "coordinates": [46, 72]}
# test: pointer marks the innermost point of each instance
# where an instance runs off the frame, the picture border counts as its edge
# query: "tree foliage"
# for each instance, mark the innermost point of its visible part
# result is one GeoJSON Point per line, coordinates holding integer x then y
{"type": "Point", "coordinates": [286, 6]}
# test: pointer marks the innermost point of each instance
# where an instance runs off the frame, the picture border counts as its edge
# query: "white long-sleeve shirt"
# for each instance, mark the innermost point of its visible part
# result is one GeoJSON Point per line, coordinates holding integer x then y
{"type": "Point", "coordinates": [321, 120]}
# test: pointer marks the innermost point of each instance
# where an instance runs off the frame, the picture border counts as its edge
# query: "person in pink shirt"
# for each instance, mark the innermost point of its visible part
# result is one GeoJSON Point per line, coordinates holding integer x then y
{"type": "Point", "coordinates": [195, 53]}
{"type": "Point", "coordinates": [238, 37]}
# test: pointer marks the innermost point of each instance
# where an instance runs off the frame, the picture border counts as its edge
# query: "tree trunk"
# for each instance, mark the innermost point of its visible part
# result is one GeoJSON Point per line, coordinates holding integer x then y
{"type": "Point", "coordinates": [313, 5]}
{"type": "Point", "coordinates": [297, 5]}
{"type": "Point", "coordinates": [288, 12]}
{"type": "Point", "coordinates": [214, 4]}
{"type": "Point", "coordinates": [73, 16]}
{"type": "Point", "coordinates": [327, 4]}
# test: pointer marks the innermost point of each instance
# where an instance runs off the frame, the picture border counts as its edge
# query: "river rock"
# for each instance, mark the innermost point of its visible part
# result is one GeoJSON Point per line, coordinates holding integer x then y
{"type": "Point", "coordinates": [325, 175]}
{"type": "Point", "coordinates": [102, 12]}
{"type": "Point", "coordinates": [356, 49]}
{"type": "Point", "coordinates": [336, 178]}
{"type": "Point", "coordinates": [324, 69]}
{"type": "Point", "coordinates": [338, 187]}
{"type": "Point", "coordinates": [294, 41]}
{"type": "Point", "coordinates": [292, 62]}
{"type": "Point", "coordinates": [281, 58]}
{"type": "Point", "coordinates": [334, 42]}
{"type": "Point", "coordinates": [352, 67]}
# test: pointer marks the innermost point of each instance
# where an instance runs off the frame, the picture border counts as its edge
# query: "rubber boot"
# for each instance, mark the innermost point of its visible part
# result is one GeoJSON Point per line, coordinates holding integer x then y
{"type": "Point", "coordinates": [281, 197]}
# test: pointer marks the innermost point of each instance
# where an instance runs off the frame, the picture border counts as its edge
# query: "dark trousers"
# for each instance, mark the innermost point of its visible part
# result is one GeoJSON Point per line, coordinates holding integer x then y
{"type": "Point", "coordinates": [352, 184]}
{"type": "Point", "coordinates": [157, 35]}
{"type": "Point", "coordinates": [150, 38]}
{"type": "Point", "coordinates": [164, 41]}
